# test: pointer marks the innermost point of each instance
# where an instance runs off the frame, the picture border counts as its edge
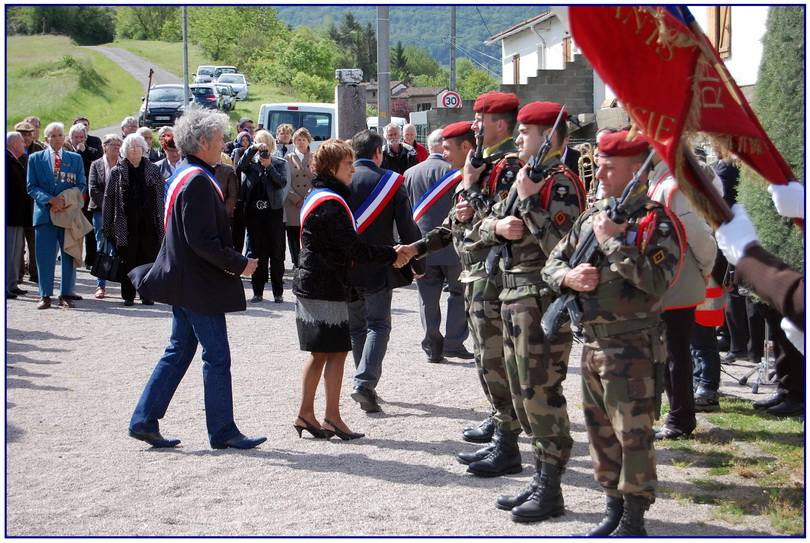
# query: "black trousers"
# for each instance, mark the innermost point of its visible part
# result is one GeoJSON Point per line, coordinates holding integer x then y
{"type": "Point", "coordinates": [90, 244]}
{"type": "Point", "coordinates": [265, 227]}
{"type": "Point", "coordinates": [789, 364]}
{"type": "Point", "coordinates": [678, 377]}
{"type": "Point", "coordinates": [142, 249]}
{"type": "Point", "coordinates": [294, 243]}
{"type": "Point", "coordinates": [745, 326]}
{"type": "Point", "coordinates": [238, 227]}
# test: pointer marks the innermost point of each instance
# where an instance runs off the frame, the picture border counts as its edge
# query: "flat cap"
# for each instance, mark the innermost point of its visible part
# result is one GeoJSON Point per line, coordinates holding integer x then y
{"type": "Point", "coordinates": [540, 113]}
{"type": "Point", "coordinates": [496, 102]}
{"type": "Point", "coordinates": [456, 129]}
{"type": "Point", "coordinates": [23, 126]}
{"type": "Point", "coordinates": [618, 145]}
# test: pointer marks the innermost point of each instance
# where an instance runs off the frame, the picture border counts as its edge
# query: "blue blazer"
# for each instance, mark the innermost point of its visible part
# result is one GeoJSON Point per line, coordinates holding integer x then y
{"type": "Point", "coordinates": [42, 186]}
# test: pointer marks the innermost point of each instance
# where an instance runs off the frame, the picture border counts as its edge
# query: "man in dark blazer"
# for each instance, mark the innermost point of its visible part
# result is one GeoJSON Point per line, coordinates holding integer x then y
{"type": "Point", "coordinates": [370, 314]}
{"type": "Point", "coordinates": [51, 172]}
{"type": "Point", "coordinates": [18, 212]}
{"type": "Point", "coordinates": [432, 180]}
{"type": "Point", "coordinates": [197, 273]}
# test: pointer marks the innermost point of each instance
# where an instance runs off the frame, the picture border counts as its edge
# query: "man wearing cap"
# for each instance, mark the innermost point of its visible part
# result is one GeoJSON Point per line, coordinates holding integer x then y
{"type": "Point", "coordinates": [620, 297]}
{"type": "Point", "coordinates": [50, 174]}
{"type": "Point", "coordinates": [430, 186]}
{"type": "Point", "coordinates": [544, 210]}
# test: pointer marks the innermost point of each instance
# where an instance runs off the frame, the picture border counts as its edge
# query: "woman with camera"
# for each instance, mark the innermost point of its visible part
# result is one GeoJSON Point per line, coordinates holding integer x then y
{"type": "Point", "coordinates": [262, 191]}
{"type": "Point", "coordinates": [329, 246]}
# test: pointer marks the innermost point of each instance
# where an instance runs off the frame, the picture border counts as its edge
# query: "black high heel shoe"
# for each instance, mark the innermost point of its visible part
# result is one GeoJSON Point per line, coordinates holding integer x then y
{"type": "Point", "coordinates": [345, 436]}
{"type": "Point", "coordinates": [318, 433]}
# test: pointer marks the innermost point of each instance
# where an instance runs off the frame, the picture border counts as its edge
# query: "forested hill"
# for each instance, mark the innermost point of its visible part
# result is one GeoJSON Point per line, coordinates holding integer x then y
{"type": "Point", "coordinates": [427, 27]}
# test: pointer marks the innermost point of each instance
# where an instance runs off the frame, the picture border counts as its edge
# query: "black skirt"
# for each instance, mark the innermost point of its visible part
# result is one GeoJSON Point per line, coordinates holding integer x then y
{"type": "Point", "coordinates": [323, 326]}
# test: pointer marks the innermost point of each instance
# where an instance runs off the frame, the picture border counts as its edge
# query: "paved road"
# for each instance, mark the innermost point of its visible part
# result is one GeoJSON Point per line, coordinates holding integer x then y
{"type": "Point", "coordinates": [137, 67]}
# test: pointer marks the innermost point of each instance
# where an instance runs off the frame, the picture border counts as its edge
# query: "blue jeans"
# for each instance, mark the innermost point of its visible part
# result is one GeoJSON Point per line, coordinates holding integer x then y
{"type": "Point", "coordinates": [706, 357]}
{"type": "Point", "coordinates": [98, 221]}
{"type": "Point", "coordinates": [370, 326]}
{"type": "Point", "coordinates": [188, 329]}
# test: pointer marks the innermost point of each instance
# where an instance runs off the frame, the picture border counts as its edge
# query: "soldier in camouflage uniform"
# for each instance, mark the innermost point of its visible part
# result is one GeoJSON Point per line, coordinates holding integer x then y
{"type": "Point", "coordinates": [482, 187]}
{"type": "Point", "coordinates": [622, 361]}
{"type": "Point", "coordinates": [542, 214]}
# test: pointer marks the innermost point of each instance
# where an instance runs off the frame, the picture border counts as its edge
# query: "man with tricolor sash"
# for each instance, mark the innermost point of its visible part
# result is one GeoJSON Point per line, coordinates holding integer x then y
{"type": "Point", "coordinates": [430, 185]}
{"type": "Point", "coordinates": [380, 204]}
{"type": "Point", "coordinates": [543, 212]}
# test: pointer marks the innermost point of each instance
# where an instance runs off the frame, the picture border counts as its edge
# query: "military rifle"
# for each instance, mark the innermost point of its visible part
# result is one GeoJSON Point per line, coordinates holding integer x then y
{"type": "Point", "coordinates": [537, 173]}
{"type": "Point", "coordinates": [568, 303]}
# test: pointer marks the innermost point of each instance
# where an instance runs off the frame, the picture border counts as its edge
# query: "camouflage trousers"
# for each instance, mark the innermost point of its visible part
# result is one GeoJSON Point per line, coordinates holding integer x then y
{"type": "Point", "coordinates": [486, 328]}
{"type": "Point", "coordinates": [535, 381]}
{"type": "Point", "coordinates": [618, 389]}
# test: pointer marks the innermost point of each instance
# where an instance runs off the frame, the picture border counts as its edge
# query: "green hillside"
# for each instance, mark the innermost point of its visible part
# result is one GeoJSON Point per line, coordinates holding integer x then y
{"type": "Point", "coordinates": [428, 26]}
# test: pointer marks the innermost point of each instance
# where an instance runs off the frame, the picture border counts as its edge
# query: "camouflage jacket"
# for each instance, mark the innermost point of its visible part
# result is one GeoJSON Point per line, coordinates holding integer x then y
{"type": "Point", "coordinates": [548, 216]}
{"type": "Point", "coordinates": [465, 236]}
{"type": "Point", "coordinates": [635, 267]}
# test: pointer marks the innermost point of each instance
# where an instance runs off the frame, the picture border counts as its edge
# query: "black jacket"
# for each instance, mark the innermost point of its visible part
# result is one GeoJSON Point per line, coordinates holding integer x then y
{"type": "Point", "coordinates": [329, 245]}
{"type": "Point", "coordinates": [396, 214]}
{"type": "Point", "coordinates": [197, 267]}
{"type": "Point", "coordinates": [273, 178]}
{"type": "Point", "coordinates": [19, 205]}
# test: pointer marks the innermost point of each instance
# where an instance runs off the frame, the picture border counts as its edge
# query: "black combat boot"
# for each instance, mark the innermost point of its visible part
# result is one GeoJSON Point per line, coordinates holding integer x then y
{"type": "Point", "coordinates": [613, 514]}
{"type": "Point", "coordinates": [482, 433]}
{"type": "Point", "coordinates": [507, 503]}
{"type": "Point", "coordinates": [504, 458]}
{"type": "Point", "coordinates": [632, 522]}
{"type": "Point", "coordinates": [468, 458]}
{"type": "Point", "coordinates": [546, 501]}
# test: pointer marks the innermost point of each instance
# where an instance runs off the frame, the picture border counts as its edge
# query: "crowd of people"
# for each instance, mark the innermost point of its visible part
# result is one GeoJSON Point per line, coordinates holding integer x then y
{"type": "Point", "coordinates": [488, 210]}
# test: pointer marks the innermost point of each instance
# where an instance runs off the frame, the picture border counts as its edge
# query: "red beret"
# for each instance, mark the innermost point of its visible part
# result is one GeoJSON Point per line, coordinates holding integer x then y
{"type": "Point", "coordinates": [540, 113]}
{"type": "Point", "coordinates": [496, 102]}
{"type": "Point", "coordinates": [457, 129]}
{"type": "Point", "coordinates": [617, 144]}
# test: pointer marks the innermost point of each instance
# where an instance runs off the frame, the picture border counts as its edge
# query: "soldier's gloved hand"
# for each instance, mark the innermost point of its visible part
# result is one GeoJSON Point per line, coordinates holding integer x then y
{"type": "Point", "coordinates": [735, 236]}
{"type": "Point", "coordinates": [795, 335]}
{"type": "Point", "coordinates": [788, 199]}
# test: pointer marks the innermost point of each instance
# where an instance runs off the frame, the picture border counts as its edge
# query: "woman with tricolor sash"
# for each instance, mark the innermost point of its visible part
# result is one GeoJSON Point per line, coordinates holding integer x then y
{"type": "Point", "coordinates": [329, 247]}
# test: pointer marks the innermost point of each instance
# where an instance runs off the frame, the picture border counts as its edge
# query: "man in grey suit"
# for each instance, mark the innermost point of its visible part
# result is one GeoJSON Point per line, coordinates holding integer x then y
{"type": "Point", "coordinates": [379, 203]}
{"type": "Point", "coordinates": [430, 186]}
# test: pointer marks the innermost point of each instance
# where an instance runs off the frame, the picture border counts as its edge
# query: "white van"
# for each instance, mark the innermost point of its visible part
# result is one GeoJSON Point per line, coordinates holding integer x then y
{"type": "Point", "coordinates": [319, 118]}
{"type": "Point", "coordinates": [372, 123]}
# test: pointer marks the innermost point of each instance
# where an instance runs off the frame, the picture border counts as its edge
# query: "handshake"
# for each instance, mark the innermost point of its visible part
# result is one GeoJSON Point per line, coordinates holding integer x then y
{"type": "Point", "coordinates": [404, 254]}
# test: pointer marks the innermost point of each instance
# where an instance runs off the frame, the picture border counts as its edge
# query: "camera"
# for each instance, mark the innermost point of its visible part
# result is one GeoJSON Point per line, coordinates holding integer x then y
{"type": "Point", "coordinates": [264, 153]}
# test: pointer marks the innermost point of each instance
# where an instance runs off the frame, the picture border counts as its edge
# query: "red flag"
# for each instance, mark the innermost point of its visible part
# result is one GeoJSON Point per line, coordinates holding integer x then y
{"type": "Point", "coordinates": [671, 81]}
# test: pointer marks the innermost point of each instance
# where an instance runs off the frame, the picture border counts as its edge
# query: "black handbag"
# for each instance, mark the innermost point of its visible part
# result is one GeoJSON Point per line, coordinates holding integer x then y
{"type": "Point", "coordinates": [108, 264]}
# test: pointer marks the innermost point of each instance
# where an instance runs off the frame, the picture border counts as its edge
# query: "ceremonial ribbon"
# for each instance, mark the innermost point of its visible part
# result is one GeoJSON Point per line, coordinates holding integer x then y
{"type": "Point", "coordinates": [176, 182]}
{"type": "Point", "coordinates": [435, 193]}
{"type": "Point", "coordinates": [378, 199]}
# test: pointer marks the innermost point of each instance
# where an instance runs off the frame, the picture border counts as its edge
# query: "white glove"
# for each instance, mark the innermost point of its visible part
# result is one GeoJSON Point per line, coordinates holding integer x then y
{"type": "Point", "coordinates": [795, 335]}
{"type": "Point", "coordinates": [733, 237]}
{"type": "Point", "coordinates": [788, 199]}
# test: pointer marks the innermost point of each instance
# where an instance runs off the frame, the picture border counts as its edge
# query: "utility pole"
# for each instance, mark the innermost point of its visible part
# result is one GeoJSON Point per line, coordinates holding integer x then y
{"type": "Point", "coordinates": [383, 68]}
{"type": "Point", "coordinates": [453, 48]}
{"type": "Point", "coordinates": [186, 90]}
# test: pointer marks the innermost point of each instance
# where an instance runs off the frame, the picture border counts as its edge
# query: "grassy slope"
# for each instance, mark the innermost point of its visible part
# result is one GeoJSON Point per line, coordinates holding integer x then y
{"type": "Point", "coordinates": [42, 80]}
{"type": "Point", "coordinates": [165, 55]}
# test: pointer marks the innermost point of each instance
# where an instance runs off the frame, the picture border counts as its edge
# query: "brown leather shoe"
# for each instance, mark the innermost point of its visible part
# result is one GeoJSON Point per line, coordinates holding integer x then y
{"type": "Point", "coordinates": [44, 302]}
{"type": "Point", "coordinates": [65, 301]}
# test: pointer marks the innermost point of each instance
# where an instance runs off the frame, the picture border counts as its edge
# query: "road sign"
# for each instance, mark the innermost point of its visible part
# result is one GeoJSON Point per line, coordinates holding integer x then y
{"type": "Point", "coordinates": [451, 99]}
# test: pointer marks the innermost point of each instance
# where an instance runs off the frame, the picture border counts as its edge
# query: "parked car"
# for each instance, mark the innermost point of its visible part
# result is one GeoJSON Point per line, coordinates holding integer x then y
{"type": "Point", "coordinates": [319, 118]}
{"type": "Point", "coordinates": [166, 103]}
{"type": "Point", "coordinates": [238, 82]}
{"type": "Point", "coordinates": [227, 97]}
{"type": "Point", "coordinates": [205, 95]}
{"type": "Point", "coordinates": [219, 70]}
{"type": "Point", "coordinates": [204, 74]}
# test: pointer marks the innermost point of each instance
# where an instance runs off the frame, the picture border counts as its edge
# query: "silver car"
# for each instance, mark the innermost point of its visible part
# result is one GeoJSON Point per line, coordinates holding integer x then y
{"type": "Point", "coordinates": [237, 81]}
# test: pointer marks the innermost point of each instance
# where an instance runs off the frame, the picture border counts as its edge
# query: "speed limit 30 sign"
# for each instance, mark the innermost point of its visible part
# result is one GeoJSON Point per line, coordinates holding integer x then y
{"type": "Point", "coordinates": [451, 99]}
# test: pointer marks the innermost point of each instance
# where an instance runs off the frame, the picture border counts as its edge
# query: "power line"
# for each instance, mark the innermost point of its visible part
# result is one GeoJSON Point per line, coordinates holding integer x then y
{"type": "Point", "coordinates": [483, 21]}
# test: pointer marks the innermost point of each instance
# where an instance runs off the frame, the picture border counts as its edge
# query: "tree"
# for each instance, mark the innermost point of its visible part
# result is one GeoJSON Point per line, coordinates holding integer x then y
{"type": "Point", "coordinates": [421, 63]}
{"type": "Point", "coordinates": [147, 22]}
{"type": "Point", "coordinates": [779, 104]}
{"type": "Point", "coordinates": [472, 81]}
{"type": "Point", "coordinates": [357, 45]}
{"type": "Point", "coordinates": [86, 25]}
{"type": "Point", "coordinates": [399, 64]}
{"type": "Point", "coordinates": [219, 30]}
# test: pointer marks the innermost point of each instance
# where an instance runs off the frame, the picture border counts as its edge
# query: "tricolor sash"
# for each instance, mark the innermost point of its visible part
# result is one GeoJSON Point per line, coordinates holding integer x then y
{"type": "Point", "coordinates": [377, 200]}
{"type": "Point", "coordinates": [316, 198]}
{"type": "Point", "coordinates": [176, 182]}
{"type": "Point", "coordinates": [435, 193]}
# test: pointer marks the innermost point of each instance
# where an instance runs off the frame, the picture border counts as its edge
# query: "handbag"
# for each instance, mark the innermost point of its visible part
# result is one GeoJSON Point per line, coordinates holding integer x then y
{"type": "Point", "coordinates": [108, 264]}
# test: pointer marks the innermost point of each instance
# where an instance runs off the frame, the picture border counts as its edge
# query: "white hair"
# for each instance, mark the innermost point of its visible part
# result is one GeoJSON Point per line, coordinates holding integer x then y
{"type": "Point", "coordinates": [11, 136]}
{"type": "Point", "coordinates": [389, 127]}
{"type": "Point", "coordinates": [128, 121]}
{"type": "Point", "coordinates": [134, 139]}
{"type": "Point", "coordinates": [143, 130]}
{"type": "Point", "coordinates": [164, 130]}
{"type": "Point", "coordinates": [78, 127]}
{"type": "Point", "coordinates": [434, 138]}
{"type": "Point", "coordinates": [51, 127]}
{"type": "Point", "coordinates": [195, 124]}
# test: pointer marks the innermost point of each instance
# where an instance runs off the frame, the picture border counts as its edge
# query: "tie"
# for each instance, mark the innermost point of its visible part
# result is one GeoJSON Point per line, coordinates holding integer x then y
{"type": "Point", "coordinates": [57, 163]}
